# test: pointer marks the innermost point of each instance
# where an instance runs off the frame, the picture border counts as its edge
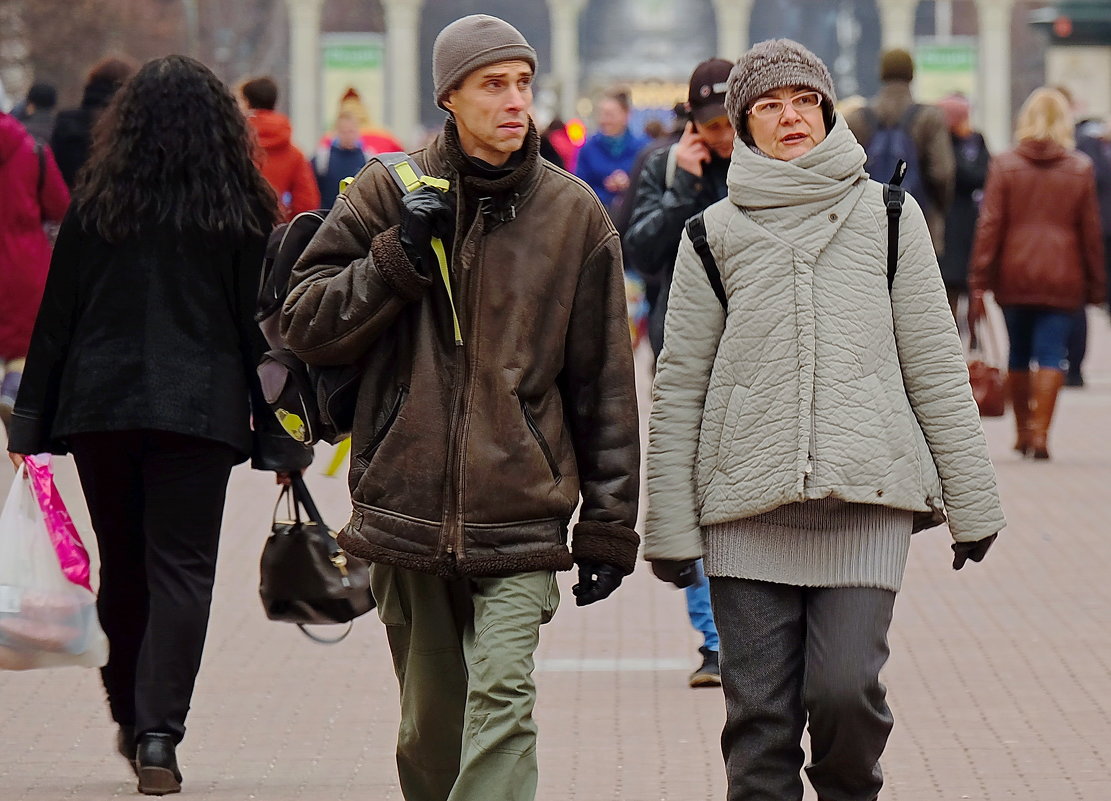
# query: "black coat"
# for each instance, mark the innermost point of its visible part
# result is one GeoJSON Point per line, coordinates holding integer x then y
{"type": "Point", "coordinates": [1098, 150]}
{"type": "Point", "coordinates": [960, 223]}
{"type": "Point", "coordinates": [156, 332]}
{"type": "Point", "coordinates": [73, 129]}
{"type": "Point", "coordinates": [656, 222]}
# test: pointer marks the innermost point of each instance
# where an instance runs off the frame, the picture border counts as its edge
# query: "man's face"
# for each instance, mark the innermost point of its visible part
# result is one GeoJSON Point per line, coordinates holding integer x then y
{"type": "Point", "coordinates": [491, 109]}
{"type": "Point", "coordinates": [347, 132]}
{"type": "Point", "coordinates": [718, 135]}
{"type": "Point", "coordinates": [612, 118]}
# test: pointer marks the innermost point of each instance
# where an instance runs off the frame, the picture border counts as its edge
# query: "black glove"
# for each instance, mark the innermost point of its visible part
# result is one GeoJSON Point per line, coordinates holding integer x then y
{"type": "Point", "coordinates": [975, 550]}
{"type": "Point", "coordinates": [596, 581]}
{"type": "Point", "coordinates": [682, 573]}
{"type": "Point", "coordinates": [426, 212]}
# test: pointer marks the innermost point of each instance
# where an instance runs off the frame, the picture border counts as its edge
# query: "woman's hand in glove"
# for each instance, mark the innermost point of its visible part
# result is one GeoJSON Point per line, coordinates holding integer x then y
{"type": "Point", "coordinates": [975, 550]}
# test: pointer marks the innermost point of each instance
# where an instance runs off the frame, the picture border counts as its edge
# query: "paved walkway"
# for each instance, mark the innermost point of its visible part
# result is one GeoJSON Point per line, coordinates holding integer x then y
{"type": "Point", "coordinates": [1000, 677]}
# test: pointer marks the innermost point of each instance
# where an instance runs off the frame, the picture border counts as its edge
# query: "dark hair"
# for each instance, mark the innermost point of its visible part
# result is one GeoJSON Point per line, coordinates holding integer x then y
{"type": "Point", "coordinates": [42, 96]}
{"type": "Point", "coordinates": [113, 70]}
{"type": "Point", "coordinates": [172, 147]}
{"type": "Point", "coordinates": [260, 93]}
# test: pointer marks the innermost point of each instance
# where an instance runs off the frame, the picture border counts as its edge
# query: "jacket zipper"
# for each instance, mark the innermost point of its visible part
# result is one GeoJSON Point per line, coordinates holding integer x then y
{"type": "Point", "coordinates": [549, 457]}
{"type": "Point", "coordinates": [456, 459]}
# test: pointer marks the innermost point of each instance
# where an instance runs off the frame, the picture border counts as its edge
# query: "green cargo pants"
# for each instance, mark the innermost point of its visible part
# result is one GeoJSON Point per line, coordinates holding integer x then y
{"type": "Point", "coordinates": [463, 654]}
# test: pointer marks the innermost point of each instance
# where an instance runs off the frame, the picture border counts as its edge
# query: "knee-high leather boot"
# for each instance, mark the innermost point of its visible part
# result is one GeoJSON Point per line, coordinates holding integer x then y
{"type": "Point", "coordinates": [1046, 384]}
{"type": "Point", "coordinates": [1018, 391]}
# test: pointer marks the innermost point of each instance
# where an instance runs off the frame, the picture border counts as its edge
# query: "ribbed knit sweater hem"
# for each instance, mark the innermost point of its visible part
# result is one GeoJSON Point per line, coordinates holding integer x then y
{"type": "Point", "coordinates": [822, 543]}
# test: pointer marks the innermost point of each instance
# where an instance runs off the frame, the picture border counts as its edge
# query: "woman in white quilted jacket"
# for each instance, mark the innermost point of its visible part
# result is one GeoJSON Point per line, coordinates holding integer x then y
{"type": "Point", "coordinates": [803, 426]}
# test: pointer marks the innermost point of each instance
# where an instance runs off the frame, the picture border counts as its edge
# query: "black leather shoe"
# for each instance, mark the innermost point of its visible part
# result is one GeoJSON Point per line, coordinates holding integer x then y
{"type": "Point", "coordinates": [125, 744]}
{"type": "Point", "coordinates": [156, 760]}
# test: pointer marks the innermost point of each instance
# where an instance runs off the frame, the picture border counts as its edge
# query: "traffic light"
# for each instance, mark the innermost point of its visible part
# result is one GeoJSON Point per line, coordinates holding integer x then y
{"type": "Point", "coordinates": [1078, 22]}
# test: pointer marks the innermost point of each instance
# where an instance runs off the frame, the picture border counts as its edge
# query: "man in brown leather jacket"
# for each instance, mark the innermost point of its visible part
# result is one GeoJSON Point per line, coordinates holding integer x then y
{"type": "Point", "coordinates": [497, 393]}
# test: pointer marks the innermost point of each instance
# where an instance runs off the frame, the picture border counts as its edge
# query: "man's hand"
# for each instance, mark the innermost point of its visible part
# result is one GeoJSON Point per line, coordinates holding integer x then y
{"type": "Point", "coordinates": [425, 213]}
{"type": "Point", "coordinates": [691, 152]}
{"type": "Point", "coordinates": [616, 182]}
{"type": "Point", "coordinates": [596, 581]}
{"type": "Point", "coordinates": [17, 459]}
{"type": "Point", "coordinates": [682, 573]}
{"type": "Point", "coordinates": [975, 550]}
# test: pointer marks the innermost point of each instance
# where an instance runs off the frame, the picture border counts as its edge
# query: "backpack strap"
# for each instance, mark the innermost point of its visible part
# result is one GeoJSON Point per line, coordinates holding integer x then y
{"type": "Point", "coordinates": [407, 174]}
{"type": "Point", "coordinates": [671, 165]}
{"type": "Point", "coordinates": [893, 196]}
{"type": "Point", "coordinates": [409, 177]}
{"type": "Point", "coordinates": [696, 230]}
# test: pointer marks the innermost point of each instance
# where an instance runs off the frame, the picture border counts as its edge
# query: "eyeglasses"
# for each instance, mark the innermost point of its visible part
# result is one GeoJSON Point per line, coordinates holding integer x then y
{"type": "Point", "coordinates": [773, 107]}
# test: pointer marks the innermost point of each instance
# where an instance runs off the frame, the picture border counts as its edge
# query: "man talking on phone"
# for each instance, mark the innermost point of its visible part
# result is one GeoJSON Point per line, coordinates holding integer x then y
{"type": "Point", "coordinates": [679, 181]}
{"type": "Point", "coordinates": [676, 183]}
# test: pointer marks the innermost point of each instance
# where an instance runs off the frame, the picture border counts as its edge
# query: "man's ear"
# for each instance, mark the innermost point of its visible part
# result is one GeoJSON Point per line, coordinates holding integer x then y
{"type": "Point", "coordinates": [449, 102]}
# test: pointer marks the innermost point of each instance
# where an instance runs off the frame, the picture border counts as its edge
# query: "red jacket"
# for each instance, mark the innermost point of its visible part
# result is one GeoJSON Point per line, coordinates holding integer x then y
{"type": "Point", "coordinates": [24, 249]}
{"type": "Point", "coordinates": [283, 165]}
{"type": "Point", "coordinates": [1038, 239]}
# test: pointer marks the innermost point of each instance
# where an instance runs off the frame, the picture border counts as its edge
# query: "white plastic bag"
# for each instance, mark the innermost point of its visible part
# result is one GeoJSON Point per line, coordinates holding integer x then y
{"type": "Point", "coordinates": [45, 619]}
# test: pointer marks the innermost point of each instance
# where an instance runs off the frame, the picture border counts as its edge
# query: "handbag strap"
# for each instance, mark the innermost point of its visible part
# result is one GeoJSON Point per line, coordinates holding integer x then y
{"type": "Point", "coordinates": [336, 554]}
{"type": "Point", "coordinates": [327, 640]}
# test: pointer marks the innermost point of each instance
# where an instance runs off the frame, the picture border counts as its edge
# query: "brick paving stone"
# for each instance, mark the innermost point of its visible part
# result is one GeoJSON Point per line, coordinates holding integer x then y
{"type": "Point", "coordinates": [1000, 676]}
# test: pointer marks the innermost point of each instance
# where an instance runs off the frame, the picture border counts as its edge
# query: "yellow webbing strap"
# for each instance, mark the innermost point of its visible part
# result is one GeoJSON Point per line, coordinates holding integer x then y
{"type": "Point", "coordinates": [441, 257]}
{"type": "Point", "coordinates": [406, 172]}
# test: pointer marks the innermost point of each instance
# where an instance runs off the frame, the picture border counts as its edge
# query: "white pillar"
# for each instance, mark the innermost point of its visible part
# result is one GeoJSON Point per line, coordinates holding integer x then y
{"type": "Point", "coordinates": [304, 71]}
{"type": "Point", "coordinates": [565, 53]}
{"type": "Point", "coordinates": [403, 68]}
{"type": "Point", "coordinates": [995, 71]}
{"type": "Point", "coordinates": [897, 23]}
{"type": "Point", "coordinates": [733, 18]}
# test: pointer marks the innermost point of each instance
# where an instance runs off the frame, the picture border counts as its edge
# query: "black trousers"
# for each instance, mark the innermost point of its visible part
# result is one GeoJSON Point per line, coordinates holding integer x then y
{"type": "Point", "coordinates": [156, 500]}
{"type": "Point", "coordinates": [802, 656]}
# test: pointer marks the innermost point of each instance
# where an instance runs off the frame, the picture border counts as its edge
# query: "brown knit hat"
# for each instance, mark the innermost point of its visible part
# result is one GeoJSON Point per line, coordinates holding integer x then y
{"type": "Point", "coordinates": [770, 65]}
{"type": "Point", "coordinates": [471, 43]}
{"type": "Point", "coordinates": [896, 65]}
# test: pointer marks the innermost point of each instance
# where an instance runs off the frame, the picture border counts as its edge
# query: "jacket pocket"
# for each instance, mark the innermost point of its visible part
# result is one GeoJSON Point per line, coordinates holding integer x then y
{"type": "Point", "coordinates": [367, 453]}
{"type": "Point", "coordinates": [538, 435]}
{"type": "Point", "coordinates": [729, 424]}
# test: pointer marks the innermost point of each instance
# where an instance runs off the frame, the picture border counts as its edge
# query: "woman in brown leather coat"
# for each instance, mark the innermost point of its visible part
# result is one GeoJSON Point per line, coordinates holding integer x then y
{"type": "Point", "coordinates": [1039, 249]}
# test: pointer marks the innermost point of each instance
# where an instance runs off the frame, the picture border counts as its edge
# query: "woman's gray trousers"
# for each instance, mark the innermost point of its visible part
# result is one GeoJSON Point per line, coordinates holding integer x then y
{"type": "Point", "coordinates": [791, 653]}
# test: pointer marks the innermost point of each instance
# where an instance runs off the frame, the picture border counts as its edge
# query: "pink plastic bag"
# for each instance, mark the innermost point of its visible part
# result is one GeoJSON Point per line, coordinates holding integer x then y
{"type": "Point", "coordinates": [63, 533]}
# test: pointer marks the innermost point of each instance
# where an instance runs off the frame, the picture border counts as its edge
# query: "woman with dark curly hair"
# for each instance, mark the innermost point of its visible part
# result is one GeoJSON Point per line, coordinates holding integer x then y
{"type": "Point", "coordinates": [142, 365]}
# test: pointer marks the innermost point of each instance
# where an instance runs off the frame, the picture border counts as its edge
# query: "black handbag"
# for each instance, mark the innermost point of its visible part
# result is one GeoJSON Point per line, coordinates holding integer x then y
{"type": "Point", "coordinates": [306, 577]}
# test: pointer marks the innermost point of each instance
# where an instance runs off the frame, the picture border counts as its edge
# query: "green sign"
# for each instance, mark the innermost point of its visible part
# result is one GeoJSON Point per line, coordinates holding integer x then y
{"type": "Point", "coordinates": [353, 56]}
{"type": "Point", "coordinates": [944, 67]}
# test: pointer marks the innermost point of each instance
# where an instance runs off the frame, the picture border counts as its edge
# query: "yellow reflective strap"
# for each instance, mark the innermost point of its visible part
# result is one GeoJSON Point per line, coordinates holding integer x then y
{"type": "Point", "coordinates": [346, 182]}
{"type": "Point", "coordinates": [407, 175]}
{"type": "Point", "coordinates": [438, 183]}
{"type": "Point", "coordinates": [441, 257]}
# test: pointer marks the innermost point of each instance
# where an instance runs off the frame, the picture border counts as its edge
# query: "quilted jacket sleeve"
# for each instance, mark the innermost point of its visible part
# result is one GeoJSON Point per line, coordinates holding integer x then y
{"type": "Point", "coordinates": [936, 381]}
{"type": "Point", "coordinates": [694, 325]}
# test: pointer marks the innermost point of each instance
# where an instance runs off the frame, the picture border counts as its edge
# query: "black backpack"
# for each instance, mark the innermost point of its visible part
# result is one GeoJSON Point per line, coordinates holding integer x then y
{"type": "Point", "coordinates": [311, 403]}
{"type": "Point", "coordinates": [891, 144]}
{"type": "Point", "coordinates": [893, 196]}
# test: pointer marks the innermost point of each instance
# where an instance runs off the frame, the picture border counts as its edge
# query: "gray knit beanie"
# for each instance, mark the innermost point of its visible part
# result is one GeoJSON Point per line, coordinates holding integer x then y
{"type": "Point", "coordinates": [772, 65]}
{"type": "Point", "coordinates": [471, 43]}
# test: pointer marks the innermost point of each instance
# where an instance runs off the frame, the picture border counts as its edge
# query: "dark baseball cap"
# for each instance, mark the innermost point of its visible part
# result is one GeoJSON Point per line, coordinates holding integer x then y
{"type": "Point", "coordinates": [706, 96]}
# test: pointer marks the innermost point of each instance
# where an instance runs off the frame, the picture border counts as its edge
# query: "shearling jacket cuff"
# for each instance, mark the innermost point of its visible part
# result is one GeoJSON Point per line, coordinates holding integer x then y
{"type": "Point", "coordinates": [394, 266]}
{"type": "Point", "coordinates": [609, 543]}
